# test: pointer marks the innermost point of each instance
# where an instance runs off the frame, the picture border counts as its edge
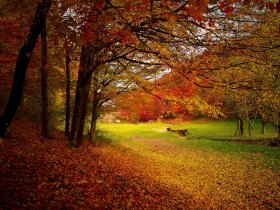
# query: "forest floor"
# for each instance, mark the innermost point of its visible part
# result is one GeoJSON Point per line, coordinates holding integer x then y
{"type": "Point", "coordinates": [142, 173]}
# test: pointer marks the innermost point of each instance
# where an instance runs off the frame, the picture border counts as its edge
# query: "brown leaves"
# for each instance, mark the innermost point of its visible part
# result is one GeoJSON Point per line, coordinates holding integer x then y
{"type": "Point", "coordinates": [46, 174]}
{"type": "Point", "coordinates": [142, 174]}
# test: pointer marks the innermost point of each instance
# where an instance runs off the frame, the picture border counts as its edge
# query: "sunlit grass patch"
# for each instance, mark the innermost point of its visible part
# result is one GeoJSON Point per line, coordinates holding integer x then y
{"type": "Point", "coordinates": [219, 173]}
{"type": "Point", "coordinates": [209, 136]}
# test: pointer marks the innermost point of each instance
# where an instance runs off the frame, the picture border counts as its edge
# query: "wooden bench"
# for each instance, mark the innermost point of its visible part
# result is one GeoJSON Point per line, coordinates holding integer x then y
{"type": "Point", "coordinates": [179, 132]}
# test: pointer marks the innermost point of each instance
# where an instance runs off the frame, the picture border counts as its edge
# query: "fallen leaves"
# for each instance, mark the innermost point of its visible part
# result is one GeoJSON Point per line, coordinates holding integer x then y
{"type": "Point", "coordinates": [150, 174]}
{"type": "Point", "coordinates": [46, 174]}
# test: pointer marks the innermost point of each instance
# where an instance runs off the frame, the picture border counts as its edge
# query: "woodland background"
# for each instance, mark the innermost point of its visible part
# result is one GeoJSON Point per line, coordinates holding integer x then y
{"type": "Point", "coordinates": [66, 64]}
{"type": "Point", "coordinates": [144, 60]}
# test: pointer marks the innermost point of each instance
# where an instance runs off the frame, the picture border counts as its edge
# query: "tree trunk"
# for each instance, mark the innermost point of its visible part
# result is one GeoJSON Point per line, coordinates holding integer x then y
{"type": "Point", "coordinates": [241, 127]}
{"type": "Point", "coordinates": [250, 128]}
{"type": "Point", "coordinates": [22, 63]}
{"type": "Point", "coordinates": [263, 126]}
{"type": "Point", "coordinates": [277, 129]}
{"type": "Point", "coordinates": [237, 132]}
{"type": "Point", "coordinates": [20, 36]}
{"type": "Point", "coordinates": [82, 91]}
{"type": "Point", "coordinates": [84, 111]}
{"type": "Point", "coordinates": [94, 118]}
{"type": "Point", "coordinates": [44, 81]}
{"type": "Point", "coordinates": [68, 80]}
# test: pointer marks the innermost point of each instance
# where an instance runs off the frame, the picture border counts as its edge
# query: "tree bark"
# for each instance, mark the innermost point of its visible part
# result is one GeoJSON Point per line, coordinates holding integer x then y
{"type": "Point", "coordinates": [82, 92]}
{"type": "Point", "coordinates": [263, 126]}
{"type": "Point", "coordinates": [84, 111]}
{"type": "Point", "coordinates": [94, 117]}
{"type": "Point", "coordinates": [250, 128]}
{"type": "Point", "coordinates": [68, 100]}
{"type": "Point", "coordinates": [44, 81]}
{"type": "Point", "coordinates": [277, 129]}
{"type": "Point", "coordinates": [22, 64]}
{"type": "Point", "coordinates": [237, 132]}
{"type": "Point", "coordinates": [241, 127]}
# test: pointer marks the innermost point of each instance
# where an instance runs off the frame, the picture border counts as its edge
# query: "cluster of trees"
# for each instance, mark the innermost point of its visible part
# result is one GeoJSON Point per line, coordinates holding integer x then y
{"type": "Point", "coordinates": [109, 47]}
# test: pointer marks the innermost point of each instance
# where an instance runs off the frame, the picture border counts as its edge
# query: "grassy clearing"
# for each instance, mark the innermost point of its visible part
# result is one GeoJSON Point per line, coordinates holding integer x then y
{"type": "Point", "coordinates": [217, 172]}
{"type": "Point", "coordinates": [200, 137]}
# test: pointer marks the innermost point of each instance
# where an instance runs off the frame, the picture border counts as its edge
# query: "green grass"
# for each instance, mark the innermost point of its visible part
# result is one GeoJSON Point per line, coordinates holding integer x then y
{"type": "Point", "coordinates": [206, 136]}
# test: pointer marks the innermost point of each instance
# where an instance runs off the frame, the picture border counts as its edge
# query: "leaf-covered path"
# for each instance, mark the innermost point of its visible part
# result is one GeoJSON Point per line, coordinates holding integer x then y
{"type": "Point", "coordinates": [143, 174]}
{"type": "Point", "coordinates": [46, 174]}
{"type": "Point", "coordinates": [218, 181]}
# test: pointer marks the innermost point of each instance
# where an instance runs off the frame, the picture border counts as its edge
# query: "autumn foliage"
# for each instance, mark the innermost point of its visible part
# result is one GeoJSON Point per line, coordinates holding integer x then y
{"type": "Point", "coordinates": [40, 174]}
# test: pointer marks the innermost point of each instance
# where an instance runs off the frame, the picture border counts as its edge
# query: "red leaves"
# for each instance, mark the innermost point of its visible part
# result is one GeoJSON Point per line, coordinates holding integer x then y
{"type": "Point", "coordinates": [46, 174]}
{"type": "Point", "coordinates": [226, 6]}
{"type": "Point", "coordinates": [197, 8]}
{"type": "Point", "coordinates": [125, 37]}
{"type": "Point", "coordinates": [99, 4]}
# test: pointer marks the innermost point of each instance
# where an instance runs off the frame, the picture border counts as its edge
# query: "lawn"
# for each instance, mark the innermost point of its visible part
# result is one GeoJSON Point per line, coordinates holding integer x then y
{"type": "Point", "coordinates": [222, 174]}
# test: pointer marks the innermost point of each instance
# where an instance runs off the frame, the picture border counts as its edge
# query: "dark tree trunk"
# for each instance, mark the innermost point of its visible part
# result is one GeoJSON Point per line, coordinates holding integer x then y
{"type": "Point", "coordinates": [239, 128]}
{"type": "Point", "coordinates": [21, 108]}
{"type": "Point", "coordinates": [250, 128]}
{"type": "Point", "coordinates": [94, 117]}
{"type": "Point", "coordinates": [84, 111]}
{"type": "Point", "coordinates": [68, 81]}
{"type": "Point", "coordinates": [277, 129]}
{"type": "Point", "coordinates": [82, 91]}
{"type": "Point", "coordinates": [22, 63]}
{"type": "Point", "coordinates": [263, 126]}
{"type": "Point", "coordinates": [44, 82]}
{"type": "Point", "coordinates": [237, 132]}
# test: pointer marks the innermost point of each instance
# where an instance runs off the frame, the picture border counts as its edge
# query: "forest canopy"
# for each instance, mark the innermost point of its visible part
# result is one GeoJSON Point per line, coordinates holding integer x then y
{"type": "Point", "coordinates": [145, 60]}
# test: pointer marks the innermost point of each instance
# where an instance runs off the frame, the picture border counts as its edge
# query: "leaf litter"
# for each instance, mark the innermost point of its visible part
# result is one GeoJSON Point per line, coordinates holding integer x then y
{"type": "Point", "coordinates": [37, 173]}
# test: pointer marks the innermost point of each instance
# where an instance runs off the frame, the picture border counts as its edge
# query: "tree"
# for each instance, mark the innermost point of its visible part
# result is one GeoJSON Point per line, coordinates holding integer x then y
{"type": "Point", "coordinates": [109, 81]}
{"type": "Point", "coordinates": [44, 80]}
{"type": "Point", "coordinates": [22, 63]}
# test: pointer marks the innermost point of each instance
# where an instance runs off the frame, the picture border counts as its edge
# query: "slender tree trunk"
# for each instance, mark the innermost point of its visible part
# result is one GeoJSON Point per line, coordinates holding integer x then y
{"type": "Point", "coordinates": [263, 126]}
{"type": "Point", "coordinates": [84, 111]}
{"type": "Point", "coordinates": [250, 128]}
{"type": "Point", "coordinates": [77, 112]}
{"type": "Point", "coordinates": [68, 80]}
{"type": "Point", "coordinates": [20, 113]}
{"type": "Point", "coordinates": [22, 63]}
{"type": "Point", "coordinates": [241, 127]}
{"type": "Point", "coordinates": [82, 91]}
{"type": "Point", "coordinates": [94, 118]}
{"type": "Point", "coordinates": [237, 132]}
{"type": "Point", "coordinates": [44, 82]}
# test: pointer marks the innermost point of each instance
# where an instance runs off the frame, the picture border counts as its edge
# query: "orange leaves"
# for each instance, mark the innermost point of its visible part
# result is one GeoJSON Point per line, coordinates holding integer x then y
{"type": "Point", "coordinates": [197, 8]}
{"type": "Point", "coordinates": [125, 37]}
{"type": "Point", "coordinates": [169, 16]}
